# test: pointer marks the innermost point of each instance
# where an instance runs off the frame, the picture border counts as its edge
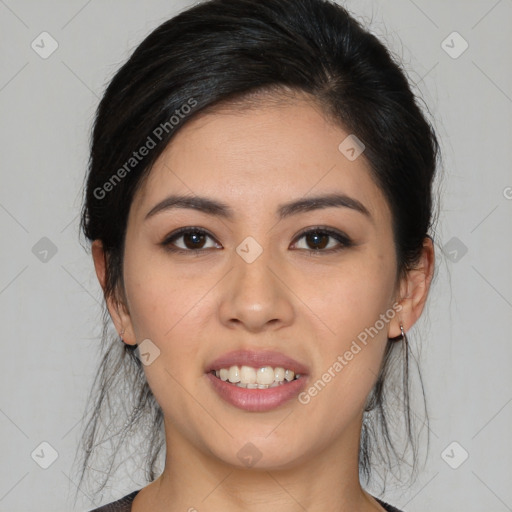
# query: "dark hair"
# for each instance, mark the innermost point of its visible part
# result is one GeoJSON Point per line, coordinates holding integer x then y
{"type": "Point", "coordinates": [225, 52]}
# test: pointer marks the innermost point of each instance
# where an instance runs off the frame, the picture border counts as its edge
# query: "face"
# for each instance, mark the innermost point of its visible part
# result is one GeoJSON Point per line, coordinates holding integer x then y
{"type": "Point", "coordinates": [248, 279]}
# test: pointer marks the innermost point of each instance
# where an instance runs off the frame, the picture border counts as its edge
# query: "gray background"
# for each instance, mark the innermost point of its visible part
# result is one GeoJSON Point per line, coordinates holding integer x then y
{"type": "Point", "coordinates": [50, 303]}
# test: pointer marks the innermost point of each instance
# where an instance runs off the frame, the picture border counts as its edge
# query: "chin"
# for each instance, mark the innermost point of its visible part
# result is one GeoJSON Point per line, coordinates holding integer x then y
{"type": "Point", "coordinates": [261, 451]}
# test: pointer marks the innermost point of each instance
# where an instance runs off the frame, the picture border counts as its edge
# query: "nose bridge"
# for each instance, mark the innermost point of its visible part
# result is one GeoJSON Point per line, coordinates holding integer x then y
{"type": "Point", "coordinates": [254, 296]}
{"type": "Point", "coordinates": [252, 279]}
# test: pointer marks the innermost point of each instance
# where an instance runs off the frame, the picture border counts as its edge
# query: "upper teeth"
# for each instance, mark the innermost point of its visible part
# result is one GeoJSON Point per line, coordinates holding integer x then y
{"type": "Point", "coordinates": [248, 377]}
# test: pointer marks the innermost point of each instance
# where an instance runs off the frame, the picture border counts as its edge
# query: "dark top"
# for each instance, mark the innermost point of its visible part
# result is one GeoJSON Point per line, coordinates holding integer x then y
{"type": "Point", "coordinates": [125, 505]}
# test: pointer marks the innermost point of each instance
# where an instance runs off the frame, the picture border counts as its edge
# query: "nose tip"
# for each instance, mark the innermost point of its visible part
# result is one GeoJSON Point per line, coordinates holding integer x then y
{"type": "Point", "coordinates": [253, 297]}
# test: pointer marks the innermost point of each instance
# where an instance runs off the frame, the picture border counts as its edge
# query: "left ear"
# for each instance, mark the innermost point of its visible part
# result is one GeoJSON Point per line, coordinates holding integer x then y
{"type": "Point", "coordinates": [414, 290]}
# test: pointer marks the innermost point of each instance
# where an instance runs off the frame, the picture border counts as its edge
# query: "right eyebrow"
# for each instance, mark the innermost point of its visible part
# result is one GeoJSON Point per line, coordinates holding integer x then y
{"type": "Point", "coordinates": [203, 204]}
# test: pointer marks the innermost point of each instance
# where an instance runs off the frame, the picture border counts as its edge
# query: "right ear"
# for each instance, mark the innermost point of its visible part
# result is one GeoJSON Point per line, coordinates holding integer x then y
{"type": "Point", "coordinates": [118, 311]}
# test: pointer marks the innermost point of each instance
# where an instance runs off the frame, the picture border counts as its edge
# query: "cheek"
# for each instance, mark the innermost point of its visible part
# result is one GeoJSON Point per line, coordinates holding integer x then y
{"type": "Point", "coordinates": [351, 296]}
{"type": "Point", "coordinates": [167, 309]}
{"type": "Point", "coordinates": [157, 299]}
{"type": "Point", "coordinates": [167, 305]}
{"type": "Point", "coordinates": [355, 306]}
{"type": "Point", "coordinates": [153, 303]}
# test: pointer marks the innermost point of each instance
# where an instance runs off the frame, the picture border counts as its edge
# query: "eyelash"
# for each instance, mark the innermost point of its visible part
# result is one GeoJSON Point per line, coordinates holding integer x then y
{"type": "Point", "coordinates": [344, 240]}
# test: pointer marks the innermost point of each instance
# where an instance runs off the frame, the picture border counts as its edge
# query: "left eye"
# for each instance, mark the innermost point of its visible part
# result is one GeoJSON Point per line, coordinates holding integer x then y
{"type": "Point", "coordinates": [317, 240]}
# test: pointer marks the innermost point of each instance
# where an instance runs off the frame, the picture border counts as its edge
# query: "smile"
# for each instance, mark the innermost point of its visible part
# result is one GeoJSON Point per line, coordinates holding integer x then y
{"type": "Point", "coordinates": [256, 378]}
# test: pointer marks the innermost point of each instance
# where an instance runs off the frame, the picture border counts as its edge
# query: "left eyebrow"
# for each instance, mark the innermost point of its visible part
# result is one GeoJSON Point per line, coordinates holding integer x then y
{"type": "Point", "coordinates": [219, 209]}
{"type": "Point", "coordinates": [320, 202]}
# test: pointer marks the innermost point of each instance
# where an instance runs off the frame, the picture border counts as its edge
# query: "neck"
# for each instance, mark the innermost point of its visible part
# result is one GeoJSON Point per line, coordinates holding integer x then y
{"type": "Point", "coordinates": [194, 481]}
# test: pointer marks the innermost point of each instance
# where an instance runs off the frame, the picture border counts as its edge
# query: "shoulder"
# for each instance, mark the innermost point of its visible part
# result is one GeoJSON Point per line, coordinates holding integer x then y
{"type": "Point", "coordinates": [122, 505]}
{"type": "Point", "coordinates": [387, 506]}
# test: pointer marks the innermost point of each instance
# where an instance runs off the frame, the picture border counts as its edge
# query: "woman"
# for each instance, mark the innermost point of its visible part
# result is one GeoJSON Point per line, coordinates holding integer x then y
{"type": "Point", "coordinates": [259, 205]}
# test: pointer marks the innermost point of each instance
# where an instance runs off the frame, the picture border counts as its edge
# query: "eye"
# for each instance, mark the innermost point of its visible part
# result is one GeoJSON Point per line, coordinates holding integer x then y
{"type": "Point", "coordinates": [188, 240]}
{"type": "Point", "coordinates": [323, 240]}
{"type": "Point", "coordinates": [316, 241]}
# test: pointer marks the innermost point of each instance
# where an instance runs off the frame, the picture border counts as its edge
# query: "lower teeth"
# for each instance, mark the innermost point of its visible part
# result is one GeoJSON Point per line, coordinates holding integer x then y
{"type": "Point", "coordinates": [256, 386]}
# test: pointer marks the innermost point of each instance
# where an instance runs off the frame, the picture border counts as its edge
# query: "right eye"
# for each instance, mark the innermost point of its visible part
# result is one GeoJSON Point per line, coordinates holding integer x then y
{"type": "Point", "coordinates": [188, 239]}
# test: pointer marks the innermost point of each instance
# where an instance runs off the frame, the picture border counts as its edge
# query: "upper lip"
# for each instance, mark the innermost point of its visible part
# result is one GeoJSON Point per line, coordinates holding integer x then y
{"type": "Point", "coordinates": [256, 359]}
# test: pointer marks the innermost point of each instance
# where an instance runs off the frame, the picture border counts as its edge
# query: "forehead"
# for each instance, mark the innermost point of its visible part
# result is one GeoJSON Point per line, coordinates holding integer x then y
{"type": "Point", "coordinates": [267, 152]}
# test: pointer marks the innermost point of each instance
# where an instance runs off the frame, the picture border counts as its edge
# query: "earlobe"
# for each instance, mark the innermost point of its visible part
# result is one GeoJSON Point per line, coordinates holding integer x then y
{"type": "Point", "coordinates": [414, 291]}
{"type": "Point", "coordinates": [120, 317]}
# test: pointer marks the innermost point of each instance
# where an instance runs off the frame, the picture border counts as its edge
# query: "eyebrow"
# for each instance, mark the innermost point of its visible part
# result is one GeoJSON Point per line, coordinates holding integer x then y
{"type": "Point", "coordinates": [222, 210]}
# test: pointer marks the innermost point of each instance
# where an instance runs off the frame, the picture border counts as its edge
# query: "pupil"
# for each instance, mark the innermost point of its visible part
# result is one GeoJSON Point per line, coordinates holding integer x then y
{"type": "Point", "coordinates": [193, 240]}
{"type": "Point", "coordinates": [315, 239]}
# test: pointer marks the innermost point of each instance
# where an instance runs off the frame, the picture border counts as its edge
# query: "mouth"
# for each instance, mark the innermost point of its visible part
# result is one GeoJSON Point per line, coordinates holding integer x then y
{"type": "Point", "coordinates": [248, 377]}
{"type": "Point", "coordinates": [256, 381]}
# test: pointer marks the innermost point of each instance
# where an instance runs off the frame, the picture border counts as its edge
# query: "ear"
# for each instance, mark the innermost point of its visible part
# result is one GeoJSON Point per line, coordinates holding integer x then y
{"type": "Point", "coordinates": [117, 309]}
{"type": "Point", "coordinates": [414, 290]}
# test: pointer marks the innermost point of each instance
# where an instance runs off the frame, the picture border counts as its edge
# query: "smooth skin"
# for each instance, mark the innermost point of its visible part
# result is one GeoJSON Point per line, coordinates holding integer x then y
{"type": "Point", "coordinates": [201, 303]}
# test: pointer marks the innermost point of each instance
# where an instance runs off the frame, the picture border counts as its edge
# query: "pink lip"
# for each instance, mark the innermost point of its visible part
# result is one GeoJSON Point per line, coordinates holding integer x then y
{"type": "Point", "coordinates": [256, 360]}
{"type": "Point", "coordinates": [257, 400]}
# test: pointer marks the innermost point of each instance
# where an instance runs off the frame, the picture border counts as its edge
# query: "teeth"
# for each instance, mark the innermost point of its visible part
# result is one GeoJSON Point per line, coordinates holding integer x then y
{"type": "Point", "coordinates": [288, 375]}
{"type": "Point", "coordinates": [247, 375]}
{"type": "Point", "coordinates": [279, 374]}
{"type": "Point", "coordinates": [265, 375]}
{"type": "Point", "coordinates": [260, 378]}
{"type": "Point", "coordinates": [234, 374]}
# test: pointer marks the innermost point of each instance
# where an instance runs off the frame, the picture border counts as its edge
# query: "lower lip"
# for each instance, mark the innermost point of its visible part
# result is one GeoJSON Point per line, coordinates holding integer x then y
{"type": "Point", "coordinates": [257, 400]}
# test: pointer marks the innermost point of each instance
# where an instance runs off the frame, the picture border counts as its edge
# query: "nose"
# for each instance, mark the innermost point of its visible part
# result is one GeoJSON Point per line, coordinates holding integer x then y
{"type": "Point", "coordinates": [254, 297]}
